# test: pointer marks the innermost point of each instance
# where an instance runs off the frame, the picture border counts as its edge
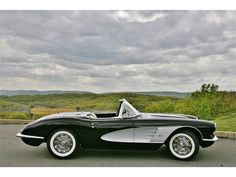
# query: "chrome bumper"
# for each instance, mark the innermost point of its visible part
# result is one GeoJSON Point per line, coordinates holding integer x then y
{"type": "Point", "coordinates": [28, 136]}
{"type": "Point", "coordinates": [215, 138]}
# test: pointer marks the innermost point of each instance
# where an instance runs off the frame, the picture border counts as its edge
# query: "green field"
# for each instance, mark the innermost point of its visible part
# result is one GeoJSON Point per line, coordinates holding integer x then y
{"type": "Point", "coordinates": [215, 106]}
{"type": "Point", "coordinates": [226, 122]}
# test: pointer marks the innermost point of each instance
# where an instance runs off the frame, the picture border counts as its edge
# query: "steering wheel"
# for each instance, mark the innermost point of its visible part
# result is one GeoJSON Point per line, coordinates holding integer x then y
{"type": "Point", "coordinates": [92, 115]}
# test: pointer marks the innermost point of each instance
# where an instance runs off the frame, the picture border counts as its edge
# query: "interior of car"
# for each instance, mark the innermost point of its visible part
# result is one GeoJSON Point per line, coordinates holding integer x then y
{"type": "Point", "coordinates": [126, 112]}
{"type": "Point", "coordinates": [110, 114]}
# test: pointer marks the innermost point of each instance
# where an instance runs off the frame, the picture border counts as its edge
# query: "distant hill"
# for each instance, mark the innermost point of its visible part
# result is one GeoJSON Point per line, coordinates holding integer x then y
{"type": "Point", "coordinates": [167, 93]}
{"type": "Point", "coordinates": [36, 92]}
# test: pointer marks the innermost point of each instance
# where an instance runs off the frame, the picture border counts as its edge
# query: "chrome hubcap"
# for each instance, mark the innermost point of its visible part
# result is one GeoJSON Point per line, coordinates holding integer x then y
{"type": "Point", "coordinates": [182, 145]}
{"type": "Point", "coordinates": [62, 143]}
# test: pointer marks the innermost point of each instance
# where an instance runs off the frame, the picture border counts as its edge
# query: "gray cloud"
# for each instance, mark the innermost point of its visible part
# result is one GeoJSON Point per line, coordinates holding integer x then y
{"type": "Point", "coordinates": [117, 50]}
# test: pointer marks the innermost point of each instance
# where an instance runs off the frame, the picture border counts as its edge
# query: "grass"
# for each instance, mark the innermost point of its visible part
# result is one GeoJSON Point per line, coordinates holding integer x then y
{"type": "Point", "coordinates": [46, 111]}
{"type": "Point", "coordinates": [226, 122]}
{"type": "Point", "coordinates": [14, 115]}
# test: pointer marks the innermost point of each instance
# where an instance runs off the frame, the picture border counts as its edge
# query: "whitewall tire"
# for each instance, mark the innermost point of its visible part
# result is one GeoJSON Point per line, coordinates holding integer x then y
{"type": "Point", "coordinates": [184, 145]}
{"type": "Point", "coordinates": [62, 143]}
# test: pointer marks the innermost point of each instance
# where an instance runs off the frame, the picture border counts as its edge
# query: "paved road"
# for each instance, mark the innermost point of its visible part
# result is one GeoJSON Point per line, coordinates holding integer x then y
{"type": "Point", "coordinates": [13, 152]}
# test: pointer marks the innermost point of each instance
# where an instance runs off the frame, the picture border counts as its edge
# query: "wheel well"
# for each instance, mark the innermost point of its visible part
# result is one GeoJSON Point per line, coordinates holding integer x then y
{"type": "Point", "coordinates": [193, 130]}
{"type": "Point", "coordinates": [60, 127]}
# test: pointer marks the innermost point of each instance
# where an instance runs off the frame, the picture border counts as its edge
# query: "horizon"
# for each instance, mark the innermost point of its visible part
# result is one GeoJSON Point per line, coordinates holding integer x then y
{"type": "Point", "coordinates": [112, 91]}
{"type": "Point", "coordinates": [118, 51]}
{"type": "Point", "coordinates": [91, 91]}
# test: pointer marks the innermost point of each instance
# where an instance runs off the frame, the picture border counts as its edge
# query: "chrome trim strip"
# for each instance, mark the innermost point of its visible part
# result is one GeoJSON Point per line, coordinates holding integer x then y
{"type": "Point", "coordinates": [28, 136]}
{"type": "Point", "coordinates": [215, 138]}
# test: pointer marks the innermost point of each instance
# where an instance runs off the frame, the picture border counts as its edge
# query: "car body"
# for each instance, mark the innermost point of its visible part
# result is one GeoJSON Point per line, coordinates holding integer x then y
{"type": "Point", "coordinates": [66, 133]}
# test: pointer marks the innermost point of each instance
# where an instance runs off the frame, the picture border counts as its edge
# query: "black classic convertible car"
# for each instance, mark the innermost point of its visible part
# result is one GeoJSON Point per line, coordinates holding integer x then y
{"type": "Point", "coordinates": [66, 133]}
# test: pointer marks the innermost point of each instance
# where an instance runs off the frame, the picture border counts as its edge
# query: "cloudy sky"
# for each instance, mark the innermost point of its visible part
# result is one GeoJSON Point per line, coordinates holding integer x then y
{"type": "Point", "coordinates": [117, 50]}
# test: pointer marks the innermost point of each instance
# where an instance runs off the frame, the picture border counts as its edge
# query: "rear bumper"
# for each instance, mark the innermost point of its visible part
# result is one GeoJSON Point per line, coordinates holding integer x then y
{"type": "Point", "coordinates": [215, 138]}
{"type": "Point", "coordinates": [20, 135]}
{"type": "Point", "coordinates": [31, 140]}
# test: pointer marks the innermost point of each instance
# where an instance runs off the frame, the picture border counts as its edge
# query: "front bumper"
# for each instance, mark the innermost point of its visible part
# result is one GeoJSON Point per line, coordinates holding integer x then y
{"type": "Point", "coordinates": [215, 138]}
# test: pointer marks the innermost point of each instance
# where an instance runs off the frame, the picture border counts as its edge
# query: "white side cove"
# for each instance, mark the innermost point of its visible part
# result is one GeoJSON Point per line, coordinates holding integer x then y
{"type": "Point", "coordinates": [125, 136]}
{"type": "Point", "coordinates": [140, 135]}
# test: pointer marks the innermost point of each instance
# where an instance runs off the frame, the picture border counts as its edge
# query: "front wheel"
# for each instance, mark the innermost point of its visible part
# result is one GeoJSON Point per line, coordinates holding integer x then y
{"type": "Point", "coordinates": [62, 143]}
{"type": "Point", "coordinates": [184, 145]}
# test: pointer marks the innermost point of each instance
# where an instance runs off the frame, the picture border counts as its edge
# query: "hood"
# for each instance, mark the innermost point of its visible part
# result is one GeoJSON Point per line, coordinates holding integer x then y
{"type": "Point", "coordinates": [168, 116]}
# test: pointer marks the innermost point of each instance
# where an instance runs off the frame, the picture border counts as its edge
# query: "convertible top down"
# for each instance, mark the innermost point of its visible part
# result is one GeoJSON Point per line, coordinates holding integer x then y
{"type": "Point", "coordinates": [66, 133]}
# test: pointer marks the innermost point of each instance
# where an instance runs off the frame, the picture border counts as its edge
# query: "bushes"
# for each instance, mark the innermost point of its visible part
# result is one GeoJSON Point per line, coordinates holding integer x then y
{"type": "Point", "coordinates": [14, 115]}
{"type": "Point", "coordinates": [201, 109]}
{"type": "Point", "coordinates": [208, 101]}
{"type": "Point", "coordinates": [183, 106]}
{"type": "Point", "coordinates": [165, 106]}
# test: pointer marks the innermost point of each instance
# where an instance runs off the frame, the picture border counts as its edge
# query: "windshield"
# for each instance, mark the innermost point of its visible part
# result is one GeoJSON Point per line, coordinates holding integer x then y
{"type": "Point", "coordinates": [127, 110]}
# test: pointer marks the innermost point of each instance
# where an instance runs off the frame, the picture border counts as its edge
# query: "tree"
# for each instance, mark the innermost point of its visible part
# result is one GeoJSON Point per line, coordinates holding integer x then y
{"type": "Point", "coordinates": [207, 100]}
{"type": "Point", "coordinates": [206, 89]}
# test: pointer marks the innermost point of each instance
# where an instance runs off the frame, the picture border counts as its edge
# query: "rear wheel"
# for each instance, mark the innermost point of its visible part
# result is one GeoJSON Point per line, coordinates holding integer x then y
{"type": "Point", "coordinates": [184, 145]}
{"type": "Point", "coordinates": [62, 143]}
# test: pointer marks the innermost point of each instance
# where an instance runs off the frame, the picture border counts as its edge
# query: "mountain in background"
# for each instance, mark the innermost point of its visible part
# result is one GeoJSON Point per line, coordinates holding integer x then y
{"type": "Point", "coordinates": [167, 93]}
{"type": "Point", "coordinates": [36, 92]}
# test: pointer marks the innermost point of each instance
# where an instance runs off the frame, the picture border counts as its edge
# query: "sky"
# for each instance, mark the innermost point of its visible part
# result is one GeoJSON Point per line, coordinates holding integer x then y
{"type": "Point", "coordinates": [113, 51]}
